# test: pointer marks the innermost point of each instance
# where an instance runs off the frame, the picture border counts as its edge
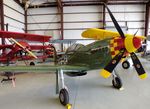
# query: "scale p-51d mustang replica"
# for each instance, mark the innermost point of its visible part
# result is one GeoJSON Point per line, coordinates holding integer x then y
{"type": "Point", "coordinates": [105, 53]}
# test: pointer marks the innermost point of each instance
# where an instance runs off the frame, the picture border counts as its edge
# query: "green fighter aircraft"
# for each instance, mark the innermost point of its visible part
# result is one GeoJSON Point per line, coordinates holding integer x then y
{"type": "Point", "coordinates": [105, 53]}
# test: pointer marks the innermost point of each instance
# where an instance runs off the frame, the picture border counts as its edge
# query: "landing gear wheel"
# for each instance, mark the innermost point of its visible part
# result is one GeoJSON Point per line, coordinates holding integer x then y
{"type": "Point", "coordinates": [117, 83]}
{"type": "Point", "coordinates": [126, 64]}
{"type": "Point", "coordinates": [32, 64]}
{"type": "Point", "coordinates": [64, 97]}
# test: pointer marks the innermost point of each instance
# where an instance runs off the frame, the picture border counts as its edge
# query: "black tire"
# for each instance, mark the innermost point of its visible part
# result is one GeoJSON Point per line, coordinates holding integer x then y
{"type": "Point", "coordinates": [117, 83]}
{"type": "Point", "coordinates": [32, 64]}
{"type": "Point", "coordinates": [64, 97]}
{"type": "Point", "coordinates": [126, 64]}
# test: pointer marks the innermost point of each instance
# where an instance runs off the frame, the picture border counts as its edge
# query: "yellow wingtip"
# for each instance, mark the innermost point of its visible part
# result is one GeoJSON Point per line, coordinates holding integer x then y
{"type": "Point", "coordinates": [143, 76]}
{"type": "Point", "coordinates": [142, 37]}
{"type": "Point", "coordinates": [86, 33]}
{"type": "Point", "coordinates": [105, 74]}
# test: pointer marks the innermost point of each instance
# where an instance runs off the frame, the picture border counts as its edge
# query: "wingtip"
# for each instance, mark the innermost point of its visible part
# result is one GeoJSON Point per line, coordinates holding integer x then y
{"type": "Point", "coordinates": [105, 74]}
{"type": "Point", "coordinates": [143, 76]}
{"type": "Point", "coordinates": [85, 33]}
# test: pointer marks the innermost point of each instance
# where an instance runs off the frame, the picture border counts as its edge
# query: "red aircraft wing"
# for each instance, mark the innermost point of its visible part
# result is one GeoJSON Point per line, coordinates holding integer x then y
{"type": "Point", "coordinates": [39, 47]}
{"type": "Point", "coordinates": [5, 46]}
{"type": "Point", "coordinates": [24, 36]}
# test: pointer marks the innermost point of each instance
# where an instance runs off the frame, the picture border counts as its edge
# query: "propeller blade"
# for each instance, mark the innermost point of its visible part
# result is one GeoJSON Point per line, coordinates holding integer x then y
{"type": "Point", "coordinates": [106, 72]}
{"type": "Point", "coordinates": [115, 22]}
{"type": "Point", "coordinates": [23, 47]}
{"type": "Point", "coordinates": [138, 66]}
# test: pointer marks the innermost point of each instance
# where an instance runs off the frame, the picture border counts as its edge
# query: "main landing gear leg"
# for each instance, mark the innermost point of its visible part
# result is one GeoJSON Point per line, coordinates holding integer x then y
{"type": "Point", "coordinates": [63, 94]}
{"type": "Point", "coordinates": [117, 83]}
{"type": "Point", "coordinates": [57, 82]}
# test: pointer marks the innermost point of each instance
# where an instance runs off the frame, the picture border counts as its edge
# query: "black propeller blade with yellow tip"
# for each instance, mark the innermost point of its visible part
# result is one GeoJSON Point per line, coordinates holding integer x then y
{"type": "Point", "coordinates": [25, 49]}
{"type": "Point", "coordinates": [131, 45]}
{"type": "Point", "coordinates": [115, 22]}
{"type": "Point", "coordinates": [106, 72]}
{"type": "Point", "coordinates": [138, 66]}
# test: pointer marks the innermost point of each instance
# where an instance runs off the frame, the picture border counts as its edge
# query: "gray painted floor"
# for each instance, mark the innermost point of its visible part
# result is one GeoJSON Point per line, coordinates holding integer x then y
{"type": "Point", "coordinates": [37, 91]}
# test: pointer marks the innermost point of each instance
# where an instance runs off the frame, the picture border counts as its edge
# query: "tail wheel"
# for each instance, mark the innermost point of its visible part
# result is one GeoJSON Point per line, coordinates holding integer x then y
{"type": "Point", "coordinates": [117, 83]}
{"type": "Point", "coordinates": [64, 97]}
{"type": "Point", "coordinates": [126, 64]}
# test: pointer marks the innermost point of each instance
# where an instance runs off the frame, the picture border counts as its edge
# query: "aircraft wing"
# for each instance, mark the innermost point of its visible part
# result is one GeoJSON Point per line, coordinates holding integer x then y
{"type": "Point", "coordinates": [24, 36]}
{"type": "Point", "coordinates": [41, 68]}
{"type": "Point", "coordinates": [38, 47]}
{"type": "Point", "coordinates": [100, 34]}
{"type": "Point", "coordinates": [5, 46]}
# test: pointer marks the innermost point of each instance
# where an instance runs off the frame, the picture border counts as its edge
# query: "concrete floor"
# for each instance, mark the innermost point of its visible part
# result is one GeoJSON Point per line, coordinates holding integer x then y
{"type": "Point", "coordinates": [37, 91]}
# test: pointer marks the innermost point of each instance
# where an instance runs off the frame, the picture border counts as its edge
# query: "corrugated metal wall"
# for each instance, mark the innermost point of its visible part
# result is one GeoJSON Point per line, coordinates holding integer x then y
{"type": "Point", "coordinates": [76, 19]}
{"type": "Point", "coordinates": [13, 16]}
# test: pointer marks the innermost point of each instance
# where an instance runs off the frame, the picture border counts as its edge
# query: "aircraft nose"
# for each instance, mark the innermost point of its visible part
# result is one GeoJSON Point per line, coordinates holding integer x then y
{"type": "Point", "coordinates": [132, 43]}
{"type": "Point", "coordinates": [137, 42]}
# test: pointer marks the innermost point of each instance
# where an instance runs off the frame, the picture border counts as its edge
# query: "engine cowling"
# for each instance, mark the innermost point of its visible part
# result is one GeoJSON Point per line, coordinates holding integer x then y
{"type": "Point", "coordinates": [132, 43]}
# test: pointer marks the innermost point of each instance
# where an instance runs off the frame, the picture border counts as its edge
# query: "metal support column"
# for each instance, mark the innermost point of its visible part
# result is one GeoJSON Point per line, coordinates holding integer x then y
{"type": "Point", "coordinates": [104, 14]}
{"type": "Point", "coordinates": [147, 14]}
{"type": "Point", "coordinates": [61, 11]}
{"type": "Point", "coordinates": [147, 18]}
{"type": "Point", "coordinates": [2, 21]}
{"type": "Point", "coordinates": [25, 23]}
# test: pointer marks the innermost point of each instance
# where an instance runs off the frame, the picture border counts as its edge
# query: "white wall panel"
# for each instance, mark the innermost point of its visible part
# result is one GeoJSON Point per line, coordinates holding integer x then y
{"type": "Point", "coordinates": [83, 14]}
{"type": "Point", "coordinates": [132, 14]}
{"type": "Point", "coordinates": [133, 31]}
{"type": "Point", "coordinates": [118, 16]}
{"type": "Point", "coordinates": [44, 26]}
{"type": "Point", "coordinates": [34, 16]}
{"type": "Point", "coordinates": [134, 8]}
{"type": "Point", "coordinates": [82, 17]}
{"type": "Point", "coordinates": [42, 18]}
{"type": "Point", "coordinates": [14, 24]}
{"type": "Point", "coordinates": [71, 17]}
{"type": "Point", "coordinates": [11, 13]}
{"type": "Point", "coordinates": [14, 5]}
{"type": "Point", "coordinates": [135, 24]}
{"type": "Point", "coordinates": [74, 9]}
{"type": "Point", "coordinates": [73, 34]}
{"type": "Point", "coordinates": [129, 8]}
{"type": "Point", "coordinates": [42, 10]}
{"type": "Point", "coordinates": [83, 25]}
{"type": "Point", "coordinates": [112, 25]}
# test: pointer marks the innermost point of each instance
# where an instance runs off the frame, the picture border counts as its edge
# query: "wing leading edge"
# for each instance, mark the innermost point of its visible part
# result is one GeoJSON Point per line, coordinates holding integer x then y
{"type": "Point", "coordinates": [24, 36]}
{"type": "Point", "coordinates": [100, 34]}
{"type": "Point", "coordinates": [43, 68]}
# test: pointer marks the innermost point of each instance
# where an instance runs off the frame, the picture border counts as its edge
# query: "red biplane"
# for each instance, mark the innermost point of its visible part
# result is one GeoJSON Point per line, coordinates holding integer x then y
{"type": "Point", "coordinates": [19, 49]}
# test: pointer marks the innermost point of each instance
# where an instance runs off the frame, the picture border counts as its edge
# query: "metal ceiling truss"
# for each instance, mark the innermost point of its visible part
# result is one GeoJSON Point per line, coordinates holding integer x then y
{"type": "Point", "coordinates": [82, 3]}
